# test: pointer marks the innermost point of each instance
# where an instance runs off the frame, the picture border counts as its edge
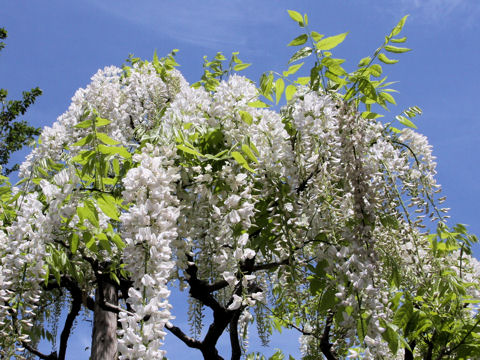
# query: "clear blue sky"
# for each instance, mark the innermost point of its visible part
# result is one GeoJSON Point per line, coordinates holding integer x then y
{"type": "Point", "coordinates": [58, 45]}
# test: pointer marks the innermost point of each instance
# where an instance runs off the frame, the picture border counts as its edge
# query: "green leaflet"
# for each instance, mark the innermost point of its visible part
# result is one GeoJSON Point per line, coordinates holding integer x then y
{"type": "Point", "coordinates": [395, 49]}
{"type": "Point", "coordinates": [74, 243]}
{"type": "Point", "coordinates": [241, 160]}
{"type": "Point", "coordinates": [367, 89]}
{"type": "Point", "coordinates": [101, 121]}
{"type": "Point", "coordinates": [396, 30]}
{"type": "Point", "coordinates": [300, 54]}
{"type": "Point", "coordinates": [107, 204]}
{"type": "Point", "coordinates": [304, 80]}
{"type": "Point", "coordinates": [107, 140]}
{"type": "Point", "coordinates": [290, 91]}
{"type": "Point", "coordinates": [258, 104]}
{"type": "Point", "coordinates": [84, 156]}
{"type": "Point", "coordinates": [299, 40]}
{"type": "Point", "coordinates": [117, 240]}
{"type": "Point", "coordinates": [375, 70]}
{"type": "Point", "coordinates": [188, 150]}
{"type": "Point", "coordinates": [316, 36]}
{"type": "Point", "coordinates": [84, 141]}
{"type": "Point", "coordinates": [246, 149]}
{"type": "Point", "coordinates": [387, 97]}
{"type": "Point", "coordinates": [113, 150]}
{"type": "Point", "coordinates": [365, 61]}
{"type": "Point", "coordinates": [399, 40]}
{"type": "Point", "coordinates": [292, 69]}
{"type": "Point", "coordinates": [84, 124]}
{"type": "Point", "coordinates": [88, 212]}
{"type": "Point", "coordinates": [331, 42]}
{"type": "Point", "coordinates": [279, 87]}
{"type": "Point", "coordinates": [404, 121]}
{"type": "Point", "coordinates": [296, 16]}
{"type": "Point", "coordinates": [240, 67]}
{"type": "Point", "coordinates": [383, 58]}
{"type": "Point", "coordinates": [246, 117]}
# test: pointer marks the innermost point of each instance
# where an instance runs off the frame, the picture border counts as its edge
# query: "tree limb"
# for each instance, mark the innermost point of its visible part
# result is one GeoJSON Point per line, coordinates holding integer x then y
{"type": "Point", "coordinates": [190, 342]}
{"type": "Point", "coordinates": [52, 356]}
{"type": "Point", "coordinates": [234, 340]}
{"type": "Point", "coordinates": [325, 345]}
{"type": "Point", "coordinates": [75, 309]}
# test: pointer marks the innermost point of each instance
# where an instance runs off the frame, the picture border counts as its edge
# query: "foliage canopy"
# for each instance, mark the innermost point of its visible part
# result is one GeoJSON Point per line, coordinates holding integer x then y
{"type": "Point", "coordinates": [14, 134]}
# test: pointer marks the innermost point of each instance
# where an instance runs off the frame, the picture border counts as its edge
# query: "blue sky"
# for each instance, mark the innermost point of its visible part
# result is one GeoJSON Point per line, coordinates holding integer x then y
{"type": "Point", "coordinates": [58, 45]}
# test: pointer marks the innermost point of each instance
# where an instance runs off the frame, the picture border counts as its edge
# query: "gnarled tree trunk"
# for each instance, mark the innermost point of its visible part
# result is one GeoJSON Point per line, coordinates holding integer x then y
{"type": "Point", "coordinates": [104, 336]}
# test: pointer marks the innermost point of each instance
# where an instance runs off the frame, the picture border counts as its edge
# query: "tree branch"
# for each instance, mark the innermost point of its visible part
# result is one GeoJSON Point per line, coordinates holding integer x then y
{"type": "Point", "coordinates": [409, 352]}
{"type": "Point", "coordinates": [75, 309]}
{"type": "Point", "coordinates": [199, 288]}
{"type": "Point", "coordinates": [325, 345]}
{"type": "Point", "coordinates": [190, 342]}
{"type": "Point", "coordinates": [246, 269]}
{"type": "Point", "coordinates": [52, 356]}
{"type": "Point", "coordinates": [234, 340]}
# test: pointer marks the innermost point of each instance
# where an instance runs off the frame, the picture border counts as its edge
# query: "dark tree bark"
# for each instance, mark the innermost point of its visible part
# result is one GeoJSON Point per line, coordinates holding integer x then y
{"type": "Point", "coordinates": [104, 337]}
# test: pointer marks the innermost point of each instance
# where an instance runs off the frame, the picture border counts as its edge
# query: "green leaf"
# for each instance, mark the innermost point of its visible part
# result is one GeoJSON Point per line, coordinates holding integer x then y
{"type": "Point", "coordinates": [328, 300]}
{"type": "Point", "coordinates": [101, 121]}
{"type": "Point", "coordinates": [390, 335]}
{"type": "Point", "coordinates": [112, 150]}
{"type": "Point", "coordinates": [246, 117]}
{"type": "Point", "coordinates": [396, 30]}
{"type": "Point", "coordinates": [395, 49]}
{"type": "Point", "coordinates": [296, 16]}
{"type": "Point", "coordinates": [334, 78]}
{"type": "Point", "coordinates": [116, 166]}
{"type": "Point", "coordinates": [303, 80]}
{"type": "Point", "coordinates": [279, 87]}
{"type": "Point", "coordinates": [107, 140]}
{"type": "Point", "coordinates": [403, 315]}
{"type": "Point", "coordinates": [84, 124]}
{"type": "Point", "coordinates": [333, 65]}
{"type": "Point", "coordinates": [399, 40]}
{"type": "Point", "coordinates": [88, 213]}
{"type": "Point", "coordinates": [383, 58]}
{"type": "Point", "coordinates": [387, 97]}
{"type": "Point", "coordinates": [365, 61]}
{"type": "Point", "coordinates": [107, 204]}
{"type": "Point", "coordinates": [299, 40]}
{"type": "Point", "coordinates": [84, 141]}
{"type": "Point", "coordinates": [84, 156]}
{"type": "Point", "coordinates": [258, 104]}
{"type": "Point", "coordinates": [290, 91]}
{"type": "Point", "coordinates": [367, 89]}
{"type": "Point", "coordinates": [316, 36]}
{"type": "Point", "coordinates": [404, 121]}
{"type": "Point", "coordinates": [370, 115]}
{"type": "Point", "coordinates": [240, 67]}
{"type": "Point", "coordinates": [188, 150]}
{"type": "Point", "coordinates": [74, 243]}
{"type": "Point", "coordinates": [241, 160]}
{"type": "Point", "coordinates": [117, 240]}
{"type": "Point", "coordinates": [301, 54]}
{"type": "Point", "coordinates": [375, 70]}
{"type": "Point", "coordinates": [331, 42]}
{"type": "Point", "coordinates": [156, 62]}
{"type": "Point", "coordinates": [246, 149]}
{"type": "Point", "coordinates": [292, 69]}
{"type": "Point", "coordinates": [104, 242]}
